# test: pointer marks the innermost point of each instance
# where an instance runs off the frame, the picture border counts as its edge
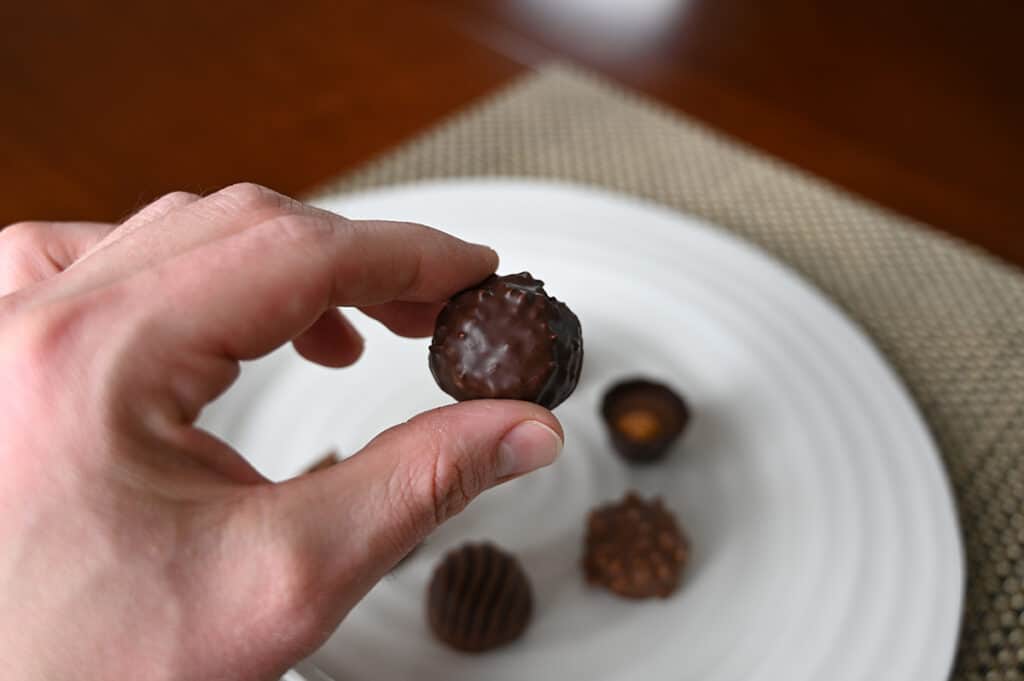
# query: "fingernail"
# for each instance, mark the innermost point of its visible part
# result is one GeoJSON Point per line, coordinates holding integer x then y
{"type": "Point", "coordinates": [527, 447]}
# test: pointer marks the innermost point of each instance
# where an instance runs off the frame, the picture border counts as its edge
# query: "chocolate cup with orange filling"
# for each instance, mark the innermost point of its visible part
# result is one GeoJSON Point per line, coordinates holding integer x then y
{"type": "Point", "coordinates": [644, 418]}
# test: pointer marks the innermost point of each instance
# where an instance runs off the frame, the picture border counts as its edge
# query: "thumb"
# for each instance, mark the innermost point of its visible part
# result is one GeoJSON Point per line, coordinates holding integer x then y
{"type": "Point", "coordinates": [359, 517]}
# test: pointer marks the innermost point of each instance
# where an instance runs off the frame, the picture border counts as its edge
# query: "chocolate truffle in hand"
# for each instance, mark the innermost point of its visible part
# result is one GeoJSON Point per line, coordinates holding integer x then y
{"type": "Point", "coordinates": [643, 418]}
{"type": "Point", "coordinates": [479, 598]}
{"type": "Point", "coordinates": [634, 548]}
{"type": "Point", "coordinates": [507, 338]}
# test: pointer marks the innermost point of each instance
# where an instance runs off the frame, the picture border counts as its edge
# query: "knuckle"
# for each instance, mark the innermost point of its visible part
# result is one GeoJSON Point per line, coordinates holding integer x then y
{"type": "Point", "coordinates": [57, 332]}
{"type": "Point", "coordinates": [441, 481]}
{"type": "Point", "coordinates": [25, 256]}
{"type": "Point", "coordinates": [22, 236]}
{"type": "Point", "coordinates": [303, 236]}
{"type": "Point", "coordinates": [37, 341]}
{"type": "Point", "coordinates": [455, 485]}
{"type": "Point", "coordinates": [294, 583]}
{"type": "Point", "coordinates": [290, 575]}
{"type": "Point", "coordinates": [161, 207]}
{"type": "Point", "coordinates": [171, 200]}
{"type": "Point", "coordinates": [405, 270]}
{"type": "Point", "coordinates": [252, 197]}
{"type": "Point", "coordinates": [41, 333]}
{"type": "Point", "coordinates": [305, 231]}
{"type": "Point", "coordinates": [177, 197]}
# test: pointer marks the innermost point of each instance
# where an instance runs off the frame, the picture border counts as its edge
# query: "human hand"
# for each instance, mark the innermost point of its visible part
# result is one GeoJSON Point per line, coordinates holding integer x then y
{"type": "Point", "coordinates": [136, 545]}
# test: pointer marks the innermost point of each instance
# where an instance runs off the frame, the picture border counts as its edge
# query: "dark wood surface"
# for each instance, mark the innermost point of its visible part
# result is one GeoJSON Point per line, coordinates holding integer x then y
{"type": "Point", "coordinates": [916, 105]}
{"type": "Point", "coordinates": [106, 105]}
{"type": "Point", "coordinates": [103, 106]}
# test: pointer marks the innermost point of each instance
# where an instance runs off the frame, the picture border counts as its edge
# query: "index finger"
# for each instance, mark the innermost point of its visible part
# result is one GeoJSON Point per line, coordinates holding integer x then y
{"type": "Point", "coordinates": [243, 296]}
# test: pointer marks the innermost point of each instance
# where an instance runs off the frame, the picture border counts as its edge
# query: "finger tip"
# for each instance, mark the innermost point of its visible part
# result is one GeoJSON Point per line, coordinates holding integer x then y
{"type": "Point", "coordinates": [330, 341]}
{"type": "Point", "coordinates": [489, 256]}
{"type": "Point", "coordinates": [334, 357]}
{"type": "Point", "coordinates": [406, 319]}
{"type": "Point", "coordinates": [548, 418]}
{"type": "Point", "coordinates": [494, 259]}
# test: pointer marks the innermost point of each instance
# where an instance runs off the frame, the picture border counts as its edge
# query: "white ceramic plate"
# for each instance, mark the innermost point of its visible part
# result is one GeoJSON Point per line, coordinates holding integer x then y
{"type": "Point", "coordinates": [825, 544]}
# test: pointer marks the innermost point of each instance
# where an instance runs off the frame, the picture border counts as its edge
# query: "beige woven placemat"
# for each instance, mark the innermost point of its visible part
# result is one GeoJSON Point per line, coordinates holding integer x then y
{"type": "Point", "coordinates": [949, 318]}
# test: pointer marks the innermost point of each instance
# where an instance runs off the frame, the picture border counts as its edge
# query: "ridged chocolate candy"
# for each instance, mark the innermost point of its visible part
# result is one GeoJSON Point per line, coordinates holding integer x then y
{"type": "Point", "coordinates": [507, 338]}
{"type": "Point", "coordinates": [634, 548]}
{"type": "Point", "coordinates": [479, 598]}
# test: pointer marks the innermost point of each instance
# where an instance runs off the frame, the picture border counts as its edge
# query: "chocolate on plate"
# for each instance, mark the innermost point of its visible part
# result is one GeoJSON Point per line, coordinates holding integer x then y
{"type": "Point", "coordinates": [634, 548]}
{"type": "Point", "coordinates": [479, 598]}
{"type": "Point", "coordinates": [507, 338]}
{"type": "Point", "coordinates": [643, 418]}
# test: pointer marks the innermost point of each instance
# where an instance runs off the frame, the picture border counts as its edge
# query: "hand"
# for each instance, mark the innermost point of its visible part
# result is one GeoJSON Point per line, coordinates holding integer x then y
{"type": "Point", "coordinates": [138, 546]}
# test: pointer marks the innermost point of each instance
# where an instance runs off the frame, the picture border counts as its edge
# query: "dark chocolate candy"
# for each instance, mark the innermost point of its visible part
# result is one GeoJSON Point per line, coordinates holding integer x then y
{"type": "Point", "coordinates": [507, 338]}
{"type": "Point", "coordinates": [643, 418]}
{"type": "Point", "coordinates": [479, 598]}
{"type": "Point", "coordinates": [634, 548]}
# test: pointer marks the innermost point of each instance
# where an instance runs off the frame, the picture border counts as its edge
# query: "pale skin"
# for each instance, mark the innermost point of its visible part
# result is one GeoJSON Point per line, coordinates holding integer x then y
{"type": "Point", "coordinates": [135, 545]}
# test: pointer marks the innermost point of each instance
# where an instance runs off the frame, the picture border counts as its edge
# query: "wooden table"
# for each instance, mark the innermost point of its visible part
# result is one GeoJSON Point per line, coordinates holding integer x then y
{"type": "Point", "coordinates": [104, 106]}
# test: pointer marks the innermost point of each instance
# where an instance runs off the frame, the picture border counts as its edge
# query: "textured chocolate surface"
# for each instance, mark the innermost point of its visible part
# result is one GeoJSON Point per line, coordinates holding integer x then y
{"type": "Point", "coordinates": [479, 598]}
{"type": "Point", "coordinates": [643, 418]}
{"type": "Point", "coordinates": [507, 338]}
{"type": "Point", "coordinates": [634, 548]}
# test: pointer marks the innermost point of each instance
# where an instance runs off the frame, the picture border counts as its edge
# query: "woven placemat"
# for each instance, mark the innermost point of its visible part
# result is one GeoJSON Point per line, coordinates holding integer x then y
{"type": "Point", "coordinates": [949, 318]}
